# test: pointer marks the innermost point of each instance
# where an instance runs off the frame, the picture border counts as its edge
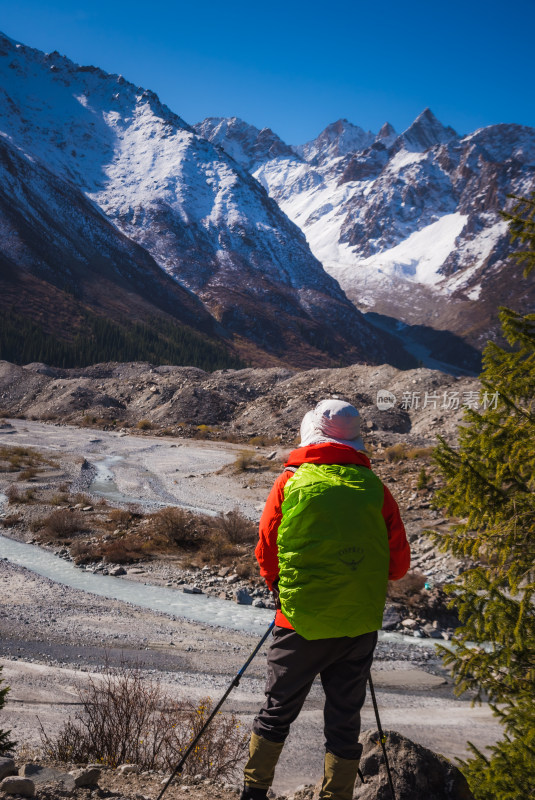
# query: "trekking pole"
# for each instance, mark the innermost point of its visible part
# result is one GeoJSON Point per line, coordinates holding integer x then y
{"type": "Point", "coordinates": [235, 682]}
{"type": "Point", "coordinates": [382, 736]}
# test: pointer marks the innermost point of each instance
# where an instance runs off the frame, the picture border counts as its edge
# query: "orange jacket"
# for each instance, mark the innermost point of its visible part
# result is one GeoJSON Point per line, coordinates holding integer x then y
{"type": "Point", "coordinates": [328, 453]}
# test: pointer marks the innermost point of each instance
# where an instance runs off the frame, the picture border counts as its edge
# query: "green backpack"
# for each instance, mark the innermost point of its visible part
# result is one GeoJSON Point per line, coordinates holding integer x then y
{"type": "Point", "coordinates": [333, 551]}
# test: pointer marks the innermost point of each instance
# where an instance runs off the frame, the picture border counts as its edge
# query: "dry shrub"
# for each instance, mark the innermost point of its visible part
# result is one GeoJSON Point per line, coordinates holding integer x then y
{"type": "Point", "coordinates": [59, 499]}
{"type": "Point", "coordinates": [175, 525]}
{"type": "Point", "coordinates": [144, 425]}
{"type": "Point", "coordinates": [120, 516]}
{"type": "Point", "coordinates": [248, 461]}
{"type": "Point", "coordinates": [244, 461]}
{"type": "Point", "coordinates": [205, 431]}
{"type": "Point", "coordinates": [235, 528]}
{"type": "Point", "coordinates": [126, 718]}
{"type": "Point", "coordinates": [419, 452]}
{"type": "Point", "coordinates": [80, 498]}
{"type": "Point", "coordinates": [14, 459]}
{"type": "Point", "coordinates": [13, 494]}
{"type": "Point", "coordinates": [263, 441]}
{"type": "Point", "coordinates": [27, 474]}
{"type": "Point", "coordinates": [62, 523]}
{"type": "Point", "coordinates": [10, 519]}
{"type": "Point", "coordinates": [247, 568]}
{"type": "Point", "coordinates": [396, 452]}
{"type": "Point", "coordinates": [116, 551]}
{"type": "Point", "coordinates": [408, 589]}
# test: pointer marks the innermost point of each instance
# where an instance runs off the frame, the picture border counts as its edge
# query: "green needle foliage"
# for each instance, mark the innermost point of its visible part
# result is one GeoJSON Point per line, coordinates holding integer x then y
{"type": "Point", "coordinates": [490, 484]}
{"type": "Point", "coordinates": [6, 744]}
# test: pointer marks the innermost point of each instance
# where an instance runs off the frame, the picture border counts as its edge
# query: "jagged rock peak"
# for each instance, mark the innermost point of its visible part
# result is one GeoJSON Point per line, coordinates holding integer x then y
{"type": "Point", "coordinates": [246, 144]}
{"type": "Point", "coordinates": [426, 131]}
{"type": "Point", "coordinates": [387, 135]}
{"type": "Point", "coordinates": [337, 139]}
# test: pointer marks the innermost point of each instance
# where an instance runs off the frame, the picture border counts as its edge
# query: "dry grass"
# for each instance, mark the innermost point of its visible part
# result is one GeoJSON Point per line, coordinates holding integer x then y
{"type": "Point", "coordinates": [249, 461]}
{"type": "Point", "coordinates": [11, 519]}
{"type": "Point", "coordinates": [263, 441]}
{"type": "Point", "coordinates": [15, 495]}
{"type": "Point", "coordinates": [400, 452]}
{"type": "Point", "coordinates": [24, 460]}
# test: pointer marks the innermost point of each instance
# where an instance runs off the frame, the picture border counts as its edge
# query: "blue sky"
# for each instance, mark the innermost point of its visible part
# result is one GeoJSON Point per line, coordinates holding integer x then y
{"type": "Point", "coordinates": [297, 66]}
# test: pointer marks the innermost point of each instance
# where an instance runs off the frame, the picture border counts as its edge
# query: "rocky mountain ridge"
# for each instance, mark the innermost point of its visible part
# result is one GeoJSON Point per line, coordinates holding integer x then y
{"type": "Point", "coordinates": [198, 215]}
{"type": "Point", "coordinates": [409, 223]}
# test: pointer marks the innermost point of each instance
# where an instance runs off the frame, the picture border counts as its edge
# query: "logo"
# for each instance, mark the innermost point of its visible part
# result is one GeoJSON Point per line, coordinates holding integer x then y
{"type": "Point", "coordinates": [351, 557]}
{"type": "Point", "coordinates": [385, 400]}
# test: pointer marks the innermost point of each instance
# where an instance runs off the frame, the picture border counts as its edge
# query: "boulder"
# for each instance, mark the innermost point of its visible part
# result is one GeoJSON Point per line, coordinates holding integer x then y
{"type": "Point", "coordinates": [391, 618]}
{"type": "Point", "coordinates": [87, 776]}
{"type": "Point", "coordinates": [128, 769]}
{"type": "Point", "coordinates": [24, 787]}
{"type": "Point", "coordinates": [7, 767]}
{"type": "Point", "coordinates": [242, 597]}
{"type": "Point", "coordinates": [417, 772]}
{"type": "Point", "coordinates": [116, 571]}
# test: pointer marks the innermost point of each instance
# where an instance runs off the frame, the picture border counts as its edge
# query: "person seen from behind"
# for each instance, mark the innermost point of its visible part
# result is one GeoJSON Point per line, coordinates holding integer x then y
{"type": "Point", "coordinates": [331, 537]}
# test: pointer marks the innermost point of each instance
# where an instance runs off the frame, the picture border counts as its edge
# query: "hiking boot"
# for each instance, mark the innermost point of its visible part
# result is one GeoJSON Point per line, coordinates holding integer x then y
{"type": "Point", "coordinates": [253, 793]}
{"type": "Point", "coordinates": [259, 771]}
{"type": "Point", "coordinates": [339, 776]}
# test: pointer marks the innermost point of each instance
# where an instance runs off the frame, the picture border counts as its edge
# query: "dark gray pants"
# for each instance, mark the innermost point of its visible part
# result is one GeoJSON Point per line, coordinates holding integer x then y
{"type": "Point", "coordinates": [343, 665]}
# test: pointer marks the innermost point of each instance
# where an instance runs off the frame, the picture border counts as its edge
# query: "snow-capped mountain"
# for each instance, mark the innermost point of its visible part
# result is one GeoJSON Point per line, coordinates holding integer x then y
{"type": "Point", "coordinates": [199, 214]}
{"type": "Point", "coordinates": [55, 243]}
{"type": "Point", "coordinates": [409, 224]}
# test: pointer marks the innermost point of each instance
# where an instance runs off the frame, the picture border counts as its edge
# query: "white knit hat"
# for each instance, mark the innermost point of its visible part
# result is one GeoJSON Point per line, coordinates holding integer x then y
{"type": "Point", "coordinates": [332, 421]}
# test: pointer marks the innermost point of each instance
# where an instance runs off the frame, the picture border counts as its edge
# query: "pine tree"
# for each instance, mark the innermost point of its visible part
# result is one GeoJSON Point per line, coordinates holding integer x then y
{"type": "Point", "coordinates": [490, 485]}
{"type": "Point", "coordinates": [6, 744]}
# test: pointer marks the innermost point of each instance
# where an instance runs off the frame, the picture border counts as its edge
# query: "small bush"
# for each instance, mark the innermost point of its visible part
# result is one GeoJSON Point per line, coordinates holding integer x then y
{"type": "Point", "coordinates": [59, 499]}
{"type": "Point", "coordinates": [247, 569]}
{"type": "Point", "coordinates": [13, 494]}
{"type": "Point", "coordinates": [144, 425]}
{"type": "Point", "coordinates": [11, 519]}
{"type": "Point", "coordinates": [61, 524]}
{"type": "Point", "coordinates": [126, 718]}
{"type": "Point", "coordinates": [175, 525]}
{"type": "Point", "coordinates": [244, 461]}
{"type": "Point", "coordinates": [419, 452]}
{"type": "Point", "coordinates": [263, 441]}
{"type": "Point", "coordinates": [408, 589]}
{"type": "Point", "coordinates": [215, 549]}
{"type": "Point", "coordinates": [396, 452]}
{"type": "Point", "coordinates": [236, 528]}
{"type": "Point", "coordinates": [120, 516]}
